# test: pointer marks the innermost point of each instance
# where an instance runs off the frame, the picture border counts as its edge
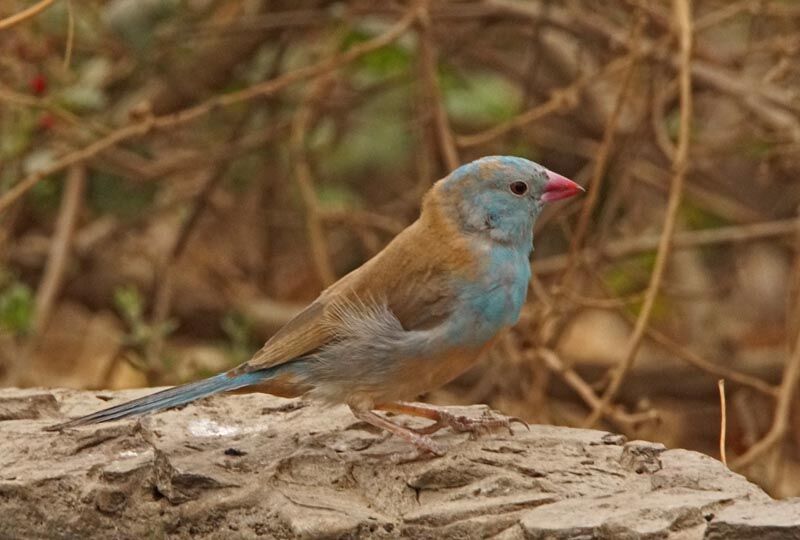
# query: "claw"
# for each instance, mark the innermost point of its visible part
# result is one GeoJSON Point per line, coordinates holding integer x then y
{"type": "Point", "coordinates": [426, 444]}
{"type": "Point", "coordinates": [442, 418]}
{"type": "Point", "coordinates": [486, 424]}
{"type": "Point", "coordinates": [517, 420]}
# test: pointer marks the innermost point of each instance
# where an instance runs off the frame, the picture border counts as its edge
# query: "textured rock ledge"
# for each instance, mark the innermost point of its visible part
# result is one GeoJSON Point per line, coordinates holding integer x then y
{"type": "Point", "coordinates": [254, 466]}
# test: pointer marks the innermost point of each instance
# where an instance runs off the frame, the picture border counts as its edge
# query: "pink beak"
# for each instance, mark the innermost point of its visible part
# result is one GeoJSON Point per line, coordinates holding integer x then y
{"type": "Point", "coordinates": [559, 187]}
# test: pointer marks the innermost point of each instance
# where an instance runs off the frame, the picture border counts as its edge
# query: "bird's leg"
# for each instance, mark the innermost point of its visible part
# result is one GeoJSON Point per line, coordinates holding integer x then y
{"type": "Point", "coordinates": [443, 418]}
{"type": "Point", "coordinates": [420, 440]}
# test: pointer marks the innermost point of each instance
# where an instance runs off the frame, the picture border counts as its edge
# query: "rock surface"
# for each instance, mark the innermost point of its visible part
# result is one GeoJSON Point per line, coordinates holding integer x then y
{"type": "Point", "coordinates": [256, 466]}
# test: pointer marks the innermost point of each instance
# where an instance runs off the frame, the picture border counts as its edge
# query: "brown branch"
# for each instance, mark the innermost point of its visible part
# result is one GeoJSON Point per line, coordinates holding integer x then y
{"type": "Point", "coordinates": [70, 35]}
{"type": "Point", "coordinates": [772, 104]}
{"type": "Point", "coordinates": [780, 422]}
{"type": "Point", "coordinates": [166, 275]}
{"type": "Point", "coordinates": [600, 163]}
{"type": "Point", "coordinates": [25, 14]}
{"type": "Point", "coordinates": [680, 165]}
{"type": "Point", "coordinates": [362, 219]}
{"type": "Point", "coordinates": [723, 422]}
{"type": "Point", "coordinates": [582, 388]}
{"type": "Point", "coordinates": [713, 368]}
{"type": "Point", "coordinates": [302, 173]}
{"type": "Point", "coordinates": [682, 352]}
{"type": "Point", "coordinates": [430, 78]}
{"type": "Point", "coordinates": [185, 116]}
{"type": "Point", "coordinates": [60, 246]}
{"type": "Point", "coordinates": [684, 240]}
{"type": "Point", "coordinates": [561, 100]}
{"type": "Point", "coordinates": [787, 393]}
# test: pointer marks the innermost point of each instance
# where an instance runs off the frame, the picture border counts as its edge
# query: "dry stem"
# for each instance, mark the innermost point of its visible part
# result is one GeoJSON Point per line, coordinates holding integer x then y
{"type": "Point", "coordinates": [680, 165]}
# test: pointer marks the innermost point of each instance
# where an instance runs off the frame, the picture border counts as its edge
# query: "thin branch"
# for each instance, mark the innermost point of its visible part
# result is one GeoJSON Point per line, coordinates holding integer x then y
{"type": "Point", "coordinates": [723, 422]}
{"type": "Point", "coordinates": [780, 423]}
{"type": "Point", "coordinates": [713, 368]}
{"type": "Point", "coordinates": [582, 388]}
{"type": "Point", "coordinates": [561, 100]}
{"type": "Point", "coordinates": [70, 34]}
{"type": "Point", "coordinates": [684, 240]}
{"type": "Point", "coordinates": [680, 165]}
{"type": "Point", "coordinates": [165, 279]}
{"type": "Point", "coordinates": [772, 104]}
{"type": "Point", "coordinates": [302, 173]}
{"type": "Point", "coordinates": [600, 163]}
{"type": "Point", "coordinates": [430, 78]}
{"type": "Point", "coordinates": [25, 14]}
{"type": "Point", "coordinates": [787, 393]}
{"type": "Point", "coordinates": [60, 246]}
{"type": "Point", "coordinates": [363, 219]}
{"type": "Point", "coordinates": [187, 115]}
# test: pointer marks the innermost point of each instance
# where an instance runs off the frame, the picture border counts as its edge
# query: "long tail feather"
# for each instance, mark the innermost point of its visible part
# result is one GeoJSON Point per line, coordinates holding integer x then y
{"type": "Point", "coordinates": [166, 399]}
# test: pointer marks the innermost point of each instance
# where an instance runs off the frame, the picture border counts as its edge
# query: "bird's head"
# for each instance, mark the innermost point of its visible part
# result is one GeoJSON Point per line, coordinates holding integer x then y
{"type": "Point", "coordinates": [500, 196]}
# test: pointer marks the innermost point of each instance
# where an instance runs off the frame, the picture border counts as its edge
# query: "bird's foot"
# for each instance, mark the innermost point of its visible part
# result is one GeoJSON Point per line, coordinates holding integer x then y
{"type": "Point", "coordinates": [423, 443]}
{"type": "Point", "coordinates": [443, 418]}
{"type": "Point", "coordinates": [487, 423]}
{"type": "Point", "coordinates": [426, 445]}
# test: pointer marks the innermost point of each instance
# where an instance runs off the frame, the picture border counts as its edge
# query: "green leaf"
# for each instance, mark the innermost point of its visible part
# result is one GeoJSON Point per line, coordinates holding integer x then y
{"type": "Point", "coordinates": [16, 308]}
{"type": "Point", "coordinates": [479, 98]}
{"type": "Point", "coordinates": [114, 195]}
{"type": "Point", "coordinates": [128, 300]}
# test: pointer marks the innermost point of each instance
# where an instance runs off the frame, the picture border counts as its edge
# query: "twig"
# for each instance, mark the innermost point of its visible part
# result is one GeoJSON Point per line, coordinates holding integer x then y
{"type": "Point", "coordinates": [53, 276]}
{"type": "Point", "coordinates": [600, 163]}
{"type": "Point", "coordinates": [723, 423]}
{"type": "Point", "coordinates": [713, 368]}
{"type": "Point", "coordinates": [680, 165]}
{"type": "Point", "coordinates": [427, 59]}
{"type": "Point", "coordinates": [787, 393]}
{"type": "Point", "coordinates": [302, 174]}
{"type": "Point", "coordinates": [561, 100]}
{"type": "Point", "coordinates": [582, 388]}
{"type": "Point", "coordinates": [164, 283]}
{"type": "Point", "coordinates": [25, 14]}
{"type": "Point", "coordinates": [187, 115]}
{"type": "Point", "coordinates": [780, 423]}
{"type": "Point", "coordinates": [658, 117]}
{"type": "Point", "coordinates": [694, 359]}
{"type": "Point", "coordinates": [727, 11]}
{"type": "Point", "coordinates": [683, 240]}
{"type": "Point", "coordinates": [770, 103]}
{"type": "Point", "coordinates": [363, 218]}
{"type": "Point", "coordinates": [70, 34]}
{"type": "Point", "coordinates": [7, 94]}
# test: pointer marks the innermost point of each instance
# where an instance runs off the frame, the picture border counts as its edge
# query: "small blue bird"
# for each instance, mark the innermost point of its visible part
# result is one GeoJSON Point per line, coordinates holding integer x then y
{"type": "Point", "coordinates": [410, 319]}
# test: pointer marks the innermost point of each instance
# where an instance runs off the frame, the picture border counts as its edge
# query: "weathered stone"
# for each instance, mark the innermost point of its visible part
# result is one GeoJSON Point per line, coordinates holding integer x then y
{"type": "Point", "coordinates": [257, 466]}
{"type": "Point", "coordinates": [768, 520]}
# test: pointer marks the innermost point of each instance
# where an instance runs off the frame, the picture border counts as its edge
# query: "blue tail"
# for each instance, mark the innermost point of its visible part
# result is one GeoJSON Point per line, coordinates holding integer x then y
{"type": "Point", "coordinates": [171, 397]}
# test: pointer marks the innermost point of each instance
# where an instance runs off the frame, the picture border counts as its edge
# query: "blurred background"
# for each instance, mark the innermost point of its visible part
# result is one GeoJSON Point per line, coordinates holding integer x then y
{"type": "Point", "coordinates": [179, 177]}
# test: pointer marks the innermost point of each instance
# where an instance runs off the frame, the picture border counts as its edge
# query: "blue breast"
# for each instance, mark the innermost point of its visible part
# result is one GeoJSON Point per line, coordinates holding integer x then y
{"type": "Point", "coordinates": [495, 298]}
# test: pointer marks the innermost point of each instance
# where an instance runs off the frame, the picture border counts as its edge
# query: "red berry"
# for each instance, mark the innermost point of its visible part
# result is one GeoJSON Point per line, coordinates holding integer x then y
{"type": "Point", "coordinates": [46, 122]}
{"type": "Point", "coordinates": [38, 85]}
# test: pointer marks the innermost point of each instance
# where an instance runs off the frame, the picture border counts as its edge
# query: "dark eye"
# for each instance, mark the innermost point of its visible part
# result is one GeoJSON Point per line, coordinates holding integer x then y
{"type": "Point", "coordinates": [518, 188]}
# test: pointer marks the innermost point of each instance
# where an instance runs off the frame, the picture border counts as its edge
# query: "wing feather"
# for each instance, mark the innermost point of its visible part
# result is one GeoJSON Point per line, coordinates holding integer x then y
{"type": "Point", "coordinates": [418, 288]}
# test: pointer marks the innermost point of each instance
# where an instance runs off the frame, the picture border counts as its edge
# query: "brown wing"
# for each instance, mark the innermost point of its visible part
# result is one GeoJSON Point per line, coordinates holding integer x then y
{"type": "Point", "coordinates": [416, 286]}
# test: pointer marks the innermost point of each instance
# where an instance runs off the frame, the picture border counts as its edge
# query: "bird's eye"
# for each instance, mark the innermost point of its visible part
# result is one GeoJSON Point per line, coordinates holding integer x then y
{"type": "Point", "coordinates": [518, 188]}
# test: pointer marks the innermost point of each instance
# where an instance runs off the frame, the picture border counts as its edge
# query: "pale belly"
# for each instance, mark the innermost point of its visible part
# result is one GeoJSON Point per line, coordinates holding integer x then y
{"type": "Point", "coordinates": [414, 377]}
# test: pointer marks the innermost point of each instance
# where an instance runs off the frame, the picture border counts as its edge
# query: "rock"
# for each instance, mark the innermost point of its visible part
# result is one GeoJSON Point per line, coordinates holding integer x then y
{"type": "Point", "coordinates": [770, 520]}
{"type": "Point", "coordinates": [257, 466]}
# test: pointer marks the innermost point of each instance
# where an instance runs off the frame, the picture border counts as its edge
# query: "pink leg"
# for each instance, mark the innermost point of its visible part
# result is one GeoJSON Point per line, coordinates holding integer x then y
{"type": "Point", "coordinates": [420, 440]}
{"type": "Point", "coordinates": [443, 418]}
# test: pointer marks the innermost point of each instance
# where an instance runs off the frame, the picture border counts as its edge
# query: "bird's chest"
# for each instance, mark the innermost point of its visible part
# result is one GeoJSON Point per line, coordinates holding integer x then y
{"type": "Point", "coordinates": [493, 300]}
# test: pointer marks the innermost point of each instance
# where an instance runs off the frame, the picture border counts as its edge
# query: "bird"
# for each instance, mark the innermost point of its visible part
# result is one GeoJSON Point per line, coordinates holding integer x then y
{"type": "Point", "coordinates": [408, 320]}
